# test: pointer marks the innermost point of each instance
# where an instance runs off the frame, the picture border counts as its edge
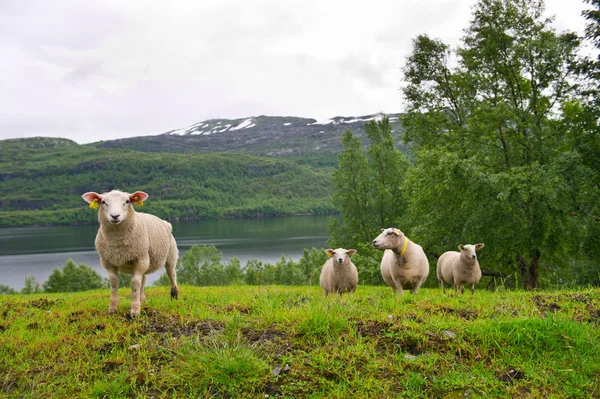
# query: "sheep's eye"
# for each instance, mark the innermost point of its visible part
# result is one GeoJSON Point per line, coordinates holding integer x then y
{"type": "Point", "coordinates": [103, 203]}
{"type": "Point", "coordinates": [388, 233]}
{"type": "Point", "coordinates": [127, 202]}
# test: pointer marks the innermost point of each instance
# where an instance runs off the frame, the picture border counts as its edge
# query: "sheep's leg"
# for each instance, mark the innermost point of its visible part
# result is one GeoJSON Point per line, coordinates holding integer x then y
{"type": "Point", "coordinates": [462, 288]}
{"type": "Point", "coordinates": [113, 278]}
{"type": "Point", "coordinates": [455, 288]}
{"type": "Point", "coordinates": [142, 294]}
{"type": "Point", "coordinates": [472, 289]}
{"type": "Point", "coordinates": [172, 274]}
{"type": "Point", "coordinates": [443, 287]}
{"type": "Point", "coordinates": [399, 290]}
{"type": "Point", "coordinates": [139, 270]}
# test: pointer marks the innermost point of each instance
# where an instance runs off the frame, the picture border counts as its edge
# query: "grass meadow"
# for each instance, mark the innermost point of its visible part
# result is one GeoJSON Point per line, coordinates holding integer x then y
{"type": "Point", "coordinates": [275, 341]}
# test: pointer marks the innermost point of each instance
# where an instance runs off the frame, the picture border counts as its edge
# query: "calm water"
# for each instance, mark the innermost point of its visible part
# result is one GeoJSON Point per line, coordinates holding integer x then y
{"type": "Point", "coordinates": [36, 251]}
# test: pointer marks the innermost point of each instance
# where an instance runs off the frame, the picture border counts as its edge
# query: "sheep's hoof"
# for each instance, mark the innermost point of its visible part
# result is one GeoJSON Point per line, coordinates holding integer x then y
{"type": "Point", "coordinates": [112, 311]}
{"type": "Point", "coordinates": [174, 293]}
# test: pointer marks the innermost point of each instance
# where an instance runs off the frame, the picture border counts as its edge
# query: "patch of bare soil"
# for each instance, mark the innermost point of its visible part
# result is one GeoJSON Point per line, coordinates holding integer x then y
{"type": "Point", "coordinates": [546, 303]}
{"type": "Point", "coordinates": [510, 375]}
{"type": "Point", "coordinates": [157, 323]}
{"type": "Point", "coordinates": [461, 313]}
{"type": "Point", "coordinates": [272, 341]}
{"type": "Point", "coordinates": [43, 303]}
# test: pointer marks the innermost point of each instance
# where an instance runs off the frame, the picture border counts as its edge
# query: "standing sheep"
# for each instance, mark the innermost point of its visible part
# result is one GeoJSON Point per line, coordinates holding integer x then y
{"type": "Point", "coordinates": [460, 268]}
{"type": "Point", "coordinates": [339, 274]}
{"type": "Point", "coordinates": [133, 243]}
{"type": "Point", "coordinates": [404, 264]}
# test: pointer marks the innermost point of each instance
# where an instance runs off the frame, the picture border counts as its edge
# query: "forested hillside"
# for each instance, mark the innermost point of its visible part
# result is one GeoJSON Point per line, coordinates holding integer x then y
{"type": "Point", "coordinates": [41, 182]}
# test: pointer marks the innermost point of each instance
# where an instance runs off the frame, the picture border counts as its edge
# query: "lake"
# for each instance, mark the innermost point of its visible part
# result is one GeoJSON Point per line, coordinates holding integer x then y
{"type": "Point", "coordinates": [36, 251]}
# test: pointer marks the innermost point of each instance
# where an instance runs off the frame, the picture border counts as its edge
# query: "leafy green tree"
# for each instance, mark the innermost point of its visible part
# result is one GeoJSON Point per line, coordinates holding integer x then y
{"type": "Point", "coordinates": [289, 272]}
{"type": "Point", "coordinates": [351, 182]}
{"type": "Point", "coordinates": [495, 160]}
{"type": "Point", "coordinates": [311, 264]}
{"type": "Point", "coordinates": [368, 186]}
{"type": "Point", "coordinates": [74, 278]}
{"type": "Point", "coordinates": [6, 290]}
{"type": "Point", "coordinates": [201, 266]}
{"type": "Point", "coordinates": [253, 272]}
{"type": "Point", "coordinates": [31, 286]}
{"type": "Point", "coordinates": [233, 272]}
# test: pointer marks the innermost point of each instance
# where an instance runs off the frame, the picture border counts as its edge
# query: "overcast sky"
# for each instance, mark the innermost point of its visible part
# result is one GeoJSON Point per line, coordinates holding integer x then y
{"type": "Point", "coordinates": [98, 70]}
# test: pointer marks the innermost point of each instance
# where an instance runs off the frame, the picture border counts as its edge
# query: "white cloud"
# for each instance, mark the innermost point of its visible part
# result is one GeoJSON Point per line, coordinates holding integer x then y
{"type": "Point", "coordinates": [106, 69]}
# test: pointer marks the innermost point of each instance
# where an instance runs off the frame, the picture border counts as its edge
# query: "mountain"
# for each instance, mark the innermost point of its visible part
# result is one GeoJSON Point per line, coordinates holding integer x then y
{"type": "Point", "coordinates": [248, 167]}
{"type": "Point", "coordinates": [261, 135]}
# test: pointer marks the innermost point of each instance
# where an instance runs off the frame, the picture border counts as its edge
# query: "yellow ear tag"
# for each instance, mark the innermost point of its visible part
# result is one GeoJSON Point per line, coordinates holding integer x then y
{"type": "Point", "coordinates": [94, 204]}
{"type": "Point", "coordinates": [135, 199]}
{"type": "Point", "coordinates": [329, 254]}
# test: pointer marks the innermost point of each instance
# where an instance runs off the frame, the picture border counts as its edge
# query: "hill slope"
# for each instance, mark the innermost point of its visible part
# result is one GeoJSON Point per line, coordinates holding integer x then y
{"type": "Point", "coordinates": [41, 182]}
{"type": "Point", "coordinates": [254, 342]}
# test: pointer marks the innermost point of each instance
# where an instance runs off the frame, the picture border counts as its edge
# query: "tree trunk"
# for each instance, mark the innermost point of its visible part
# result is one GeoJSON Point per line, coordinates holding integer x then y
{"type": "Point", "coordinates": [529, 270]}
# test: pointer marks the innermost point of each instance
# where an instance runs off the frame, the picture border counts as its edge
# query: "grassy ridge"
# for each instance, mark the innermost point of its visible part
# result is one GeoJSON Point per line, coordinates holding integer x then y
{"type": "Point", "coordinates": [257, 341]}
{"type": "Point", "coordinates": [41, 182]}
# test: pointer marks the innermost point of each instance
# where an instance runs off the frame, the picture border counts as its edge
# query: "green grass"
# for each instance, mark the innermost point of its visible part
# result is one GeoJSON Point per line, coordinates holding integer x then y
{"type": "Point", "coordinates": [235, 342]}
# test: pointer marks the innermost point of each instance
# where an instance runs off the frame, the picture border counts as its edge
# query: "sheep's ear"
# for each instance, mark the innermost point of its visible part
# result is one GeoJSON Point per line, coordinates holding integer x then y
{"type": "Point", "coordinates": [138, 198]}
{"type": "Point", "coordinates": [351, 252]}
{"type": "Point", "coordinates": [479, 246]}
{"type": "Point", "coordinates": [91, 196]}
{"type": "Point", "coordinates": [329, 252]}
{"type": "Point", "coordinates": [382, 230]}
{"type": "Point", "coordinates": [461, 247]}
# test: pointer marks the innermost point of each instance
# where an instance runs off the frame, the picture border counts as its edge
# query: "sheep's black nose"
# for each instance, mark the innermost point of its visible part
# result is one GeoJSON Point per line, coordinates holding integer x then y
{"type": "Point", "coordinates": [473, 256]}
{"type": "Point", "coordinates": [374, 241]}
{"type": "Point", "coordinates": [115, 216]}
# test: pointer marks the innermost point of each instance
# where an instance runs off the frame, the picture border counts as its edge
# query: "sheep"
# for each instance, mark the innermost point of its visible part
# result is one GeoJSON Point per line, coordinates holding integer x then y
{"type": "Point", "coordinates": [133, 243]}
{"type": "Point", "coordinates": [404, 264]}
{"type": "Point", "coordinates": [339, 274]}
{"type": "Point", "coordinates": [459, 268]}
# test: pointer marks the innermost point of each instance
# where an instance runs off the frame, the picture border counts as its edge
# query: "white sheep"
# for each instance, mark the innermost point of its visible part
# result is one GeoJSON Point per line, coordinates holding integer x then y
{"type": "Point", "coordinates": [132, 243]}
{"type": "Point", "coordinates": [404, 264]}
{"type": "Point", "coordinates": [460, 268]}
{"type": "Point", "coordinates": [339, 274]}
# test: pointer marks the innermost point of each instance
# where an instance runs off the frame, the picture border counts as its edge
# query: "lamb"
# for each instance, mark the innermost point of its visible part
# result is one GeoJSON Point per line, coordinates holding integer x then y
{"type": "Point", "coordinates": [339, 274]}
{"type": "Point", "coordinates": [404, 264]}
{"type": "Point", "coordinates": [133, 243]}
{"type": "Point", "coordinates": [460, 268]}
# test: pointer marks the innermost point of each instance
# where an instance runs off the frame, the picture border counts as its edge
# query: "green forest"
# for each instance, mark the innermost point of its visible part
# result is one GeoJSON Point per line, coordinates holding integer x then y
{"type": "Point", "coordinates": [42, 180]}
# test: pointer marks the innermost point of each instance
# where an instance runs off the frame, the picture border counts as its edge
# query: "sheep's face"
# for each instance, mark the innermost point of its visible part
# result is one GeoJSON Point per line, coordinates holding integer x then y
{"type": "Point", "coordinates": [113, 207]}
{"type": "Point", "coordinates": [468, 251]}
{"type": "Point", "coordinates": [388, 239]}
{"type": "Point", "coordinates": [340, 255]}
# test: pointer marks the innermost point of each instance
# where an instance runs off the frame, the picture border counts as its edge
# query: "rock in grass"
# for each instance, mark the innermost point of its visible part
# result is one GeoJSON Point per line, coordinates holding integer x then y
{"type": "Point", "coordinates": [448, 334]}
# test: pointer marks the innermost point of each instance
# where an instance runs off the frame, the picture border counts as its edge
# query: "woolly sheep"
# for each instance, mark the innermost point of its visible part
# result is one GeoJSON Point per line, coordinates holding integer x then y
{"type": "Point", "coordinates": [133, 243]}
{"type": "Point", "coordinates": [460, 268]}
{"type": "Point", "coordinates": [404, 264]}
{"type": "Point", "coordinates": [339, 274]}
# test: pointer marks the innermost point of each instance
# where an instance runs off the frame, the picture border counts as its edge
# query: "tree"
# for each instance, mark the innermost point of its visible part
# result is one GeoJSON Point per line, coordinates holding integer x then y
{"type": "Point", "coordinates": [6, 290]}
{"type": "Point", "coordinates": [201, 266]}
{"type": "Point", "coordinates": [233, 272]}
{"type": "Point", "coordinates": [367, 186]}
{"type": "Point", "coordinates": [31, 286]}
{"type": "Point", "coordinates": [495, 159]}
{"type": "Point", "coordinates": [74, 278]}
